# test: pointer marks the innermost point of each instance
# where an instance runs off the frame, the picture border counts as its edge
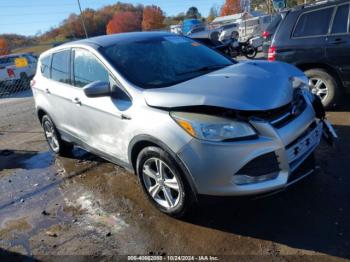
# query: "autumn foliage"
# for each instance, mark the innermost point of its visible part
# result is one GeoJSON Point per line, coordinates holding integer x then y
{"type": "Point", "coordinates": [4, 48]}
{"type": "Point", "coordinates": [231, 7]}
{"type": "Point", "coordinates": [124, 21]}
{"type": "Point", "coordinates": [153, 18]}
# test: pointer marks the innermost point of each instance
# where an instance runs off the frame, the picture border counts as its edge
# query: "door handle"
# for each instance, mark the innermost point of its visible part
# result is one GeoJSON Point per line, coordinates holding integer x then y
{"type": "Point", "coordinates": [125, 117]}
{"type": "Point", "coordinates": [338, 41]}
{"type": "Point", "coordinates": [47, 91]}
{"type": "Point", "coordinates": [76, 101]}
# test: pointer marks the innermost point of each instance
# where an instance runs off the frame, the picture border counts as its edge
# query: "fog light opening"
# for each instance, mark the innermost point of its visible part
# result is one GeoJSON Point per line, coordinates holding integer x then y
{"type": "Point", "coordinates": [245, 179]}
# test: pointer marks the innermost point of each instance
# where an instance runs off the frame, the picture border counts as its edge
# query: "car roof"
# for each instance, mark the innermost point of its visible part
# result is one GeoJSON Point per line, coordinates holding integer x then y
{"type": "Point", "coordinates": [14, 55]}
{"type": "Point", "coordinates": [317, 4]}
{"type": "Point", "coordinates": [108, 40]}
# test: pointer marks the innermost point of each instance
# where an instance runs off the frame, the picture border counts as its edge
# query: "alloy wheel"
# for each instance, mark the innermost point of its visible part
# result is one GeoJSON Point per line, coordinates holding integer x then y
{"type": "Point", "coordinates": [319, 87]}
{"type": "Point", "coordinates": [161, 183]}
{"type": "Point", "coordinates": [51, 136]}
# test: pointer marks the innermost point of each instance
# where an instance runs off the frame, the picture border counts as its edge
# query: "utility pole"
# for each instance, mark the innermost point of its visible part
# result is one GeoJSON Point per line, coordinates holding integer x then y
{"type": "Point", "coordinates": [82, 19]}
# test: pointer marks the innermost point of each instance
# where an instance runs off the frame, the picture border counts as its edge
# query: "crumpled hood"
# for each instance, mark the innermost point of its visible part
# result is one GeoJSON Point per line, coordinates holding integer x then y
{"type": "Point", "coordinates": [251, 85]}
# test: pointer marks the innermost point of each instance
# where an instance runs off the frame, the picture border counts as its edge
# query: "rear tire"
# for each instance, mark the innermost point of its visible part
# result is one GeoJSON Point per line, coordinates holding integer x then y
{"type": "Point", "coordinates": [56, 144]}
{"type": "Point", "coordinates": [250, 52]}
{"type": "Point", "coordinates": [324, 85]}
{"type": "Point", "coordinates": [167, 189]}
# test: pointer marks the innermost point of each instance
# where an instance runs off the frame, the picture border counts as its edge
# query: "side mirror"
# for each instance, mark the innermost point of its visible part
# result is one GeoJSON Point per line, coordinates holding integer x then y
{"type": "Point", "coordinates": [97, 89]}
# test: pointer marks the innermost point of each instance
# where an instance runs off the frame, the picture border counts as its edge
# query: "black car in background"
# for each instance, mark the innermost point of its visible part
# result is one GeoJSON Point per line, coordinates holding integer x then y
{"type": "Point", "coordinates": [269, 32]}
{"type": "Point", "coordinates": [316, 39]}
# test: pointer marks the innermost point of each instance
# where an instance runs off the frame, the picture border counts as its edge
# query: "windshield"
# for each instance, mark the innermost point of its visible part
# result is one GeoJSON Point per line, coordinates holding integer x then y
{"type": "Point", "coordinates": [163, 61]}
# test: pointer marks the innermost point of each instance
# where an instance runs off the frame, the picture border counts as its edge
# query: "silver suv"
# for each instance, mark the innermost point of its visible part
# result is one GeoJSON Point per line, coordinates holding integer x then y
{"type": "Point", "coordinates": [186, 119]}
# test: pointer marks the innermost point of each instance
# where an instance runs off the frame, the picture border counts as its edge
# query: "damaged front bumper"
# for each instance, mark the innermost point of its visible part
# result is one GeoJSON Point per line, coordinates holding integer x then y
{"type": "Point", "coordinates": [255, 166]}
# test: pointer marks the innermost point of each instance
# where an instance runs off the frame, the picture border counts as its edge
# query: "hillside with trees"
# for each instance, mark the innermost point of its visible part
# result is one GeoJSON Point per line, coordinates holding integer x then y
{"type": "Point", "coordinates": [4, 47]}
{"type": "Point", "coordinates": [124, 17]}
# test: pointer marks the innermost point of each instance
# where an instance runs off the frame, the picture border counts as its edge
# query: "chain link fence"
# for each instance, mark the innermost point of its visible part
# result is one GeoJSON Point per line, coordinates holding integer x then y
{"type": "Point", "coordinates": [18, 68]}
{"type": "Point", "coordinates": [13, 87]}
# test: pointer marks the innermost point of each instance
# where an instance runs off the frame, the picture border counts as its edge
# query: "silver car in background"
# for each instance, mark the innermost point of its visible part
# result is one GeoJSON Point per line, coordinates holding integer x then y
{"type": "Point", "coordinates": [186, 119]}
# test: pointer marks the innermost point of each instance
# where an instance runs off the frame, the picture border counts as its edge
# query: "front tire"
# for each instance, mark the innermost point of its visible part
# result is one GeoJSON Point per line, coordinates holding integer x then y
{"type": "Point", "coordinates": [56, 144]}
{"type": "Point", "coordinates": [163, 182]}
{"type": "Point", "coordinates": [324, 85]}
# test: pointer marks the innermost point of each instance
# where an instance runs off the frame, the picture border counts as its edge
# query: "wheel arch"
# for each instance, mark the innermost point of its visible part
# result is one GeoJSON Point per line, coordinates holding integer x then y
{"type": "Point", "coordinates": [141, 141]}
{"type": "Point", "coordinates": [329, 69]}
{"type": "Point", "coordinates": [40, 113]}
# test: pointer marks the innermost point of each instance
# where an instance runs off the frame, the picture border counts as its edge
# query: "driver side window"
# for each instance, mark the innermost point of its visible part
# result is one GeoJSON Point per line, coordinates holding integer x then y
{"type": "Point", "coordinates": [87, 69]}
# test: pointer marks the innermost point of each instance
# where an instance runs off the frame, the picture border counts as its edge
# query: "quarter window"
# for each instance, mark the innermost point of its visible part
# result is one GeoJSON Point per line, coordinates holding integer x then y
{"type": "Point", "coordinates": [340, 23]}
{"type": "Point", "coordinates": [315, 23]}
{"type": "Point", "coordinates": [88, 69]}
{"type": "Point", "coordinates": [60, 67]}
{"type": "Point", "coordinates": [45, 66]}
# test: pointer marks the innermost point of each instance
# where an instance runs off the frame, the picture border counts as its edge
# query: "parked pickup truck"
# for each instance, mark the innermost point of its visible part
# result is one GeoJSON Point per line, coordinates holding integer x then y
{"type": "Point", "coordinates": [16, 70]}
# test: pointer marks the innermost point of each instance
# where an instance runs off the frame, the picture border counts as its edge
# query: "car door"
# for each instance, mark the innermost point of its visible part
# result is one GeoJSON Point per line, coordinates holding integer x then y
{"type": "Point", "coordinates": [61, 93]}
{"type": "Point", "coordinates": [309, 35]}
{"type": "Point", "coordinates": [101, 122]}
{"type": "Point", "coordinates": [338, 42]}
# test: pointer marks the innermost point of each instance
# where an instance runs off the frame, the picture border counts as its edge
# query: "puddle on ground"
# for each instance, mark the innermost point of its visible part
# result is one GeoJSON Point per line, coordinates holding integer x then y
{"type": "Point", "coordinates": [83, 194]}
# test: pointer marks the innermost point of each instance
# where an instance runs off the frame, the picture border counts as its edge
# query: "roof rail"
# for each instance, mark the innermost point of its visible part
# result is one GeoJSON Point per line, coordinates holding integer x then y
{"type": "Point", "coordinates": [321, 2]}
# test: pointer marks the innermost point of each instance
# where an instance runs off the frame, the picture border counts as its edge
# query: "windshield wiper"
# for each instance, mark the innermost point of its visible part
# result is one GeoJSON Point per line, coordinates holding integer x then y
{"type": "Point", "coordinates": [204, 69]}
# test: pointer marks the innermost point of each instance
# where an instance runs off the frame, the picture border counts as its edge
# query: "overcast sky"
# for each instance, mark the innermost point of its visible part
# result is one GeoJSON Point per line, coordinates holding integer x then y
{"type": "Point", "coordinates": [29, 17]}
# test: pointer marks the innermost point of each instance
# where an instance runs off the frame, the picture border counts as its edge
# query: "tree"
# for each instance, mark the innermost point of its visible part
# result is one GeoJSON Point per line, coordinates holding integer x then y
{"type": "Point", "coordinates": [266, 5]}
{"type": "Point", "coordinates": [174, 20]}
{"type": "Point", "coordinates": [153, 18]}
{"type": "Point", "coordinates": [231, 7]}
{"type": "Point", "coordinates": [124, 21]}
{"type": "Point", "coordinates": [4, 48]}
{"type": "Point", "coordinates": [213, 13]}
{"type": "Point", "coordinates": [193, 12]}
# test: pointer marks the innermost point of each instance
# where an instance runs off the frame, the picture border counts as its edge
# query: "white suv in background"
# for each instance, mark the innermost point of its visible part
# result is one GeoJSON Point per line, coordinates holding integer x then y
{"type": "Point", "coordinates": [13, 76]}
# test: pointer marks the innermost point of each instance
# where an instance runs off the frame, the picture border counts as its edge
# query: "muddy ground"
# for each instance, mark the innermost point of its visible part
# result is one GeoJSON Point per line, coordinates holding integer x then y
{"type": "Point", "coordinates": [83, 205]}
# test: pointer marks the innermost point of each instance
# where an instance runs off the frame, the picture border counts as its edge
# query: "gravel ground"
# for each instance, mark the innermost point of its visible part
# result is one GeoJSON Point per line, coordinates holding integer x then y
{"type": "Point", "coordinates": [83, 205]}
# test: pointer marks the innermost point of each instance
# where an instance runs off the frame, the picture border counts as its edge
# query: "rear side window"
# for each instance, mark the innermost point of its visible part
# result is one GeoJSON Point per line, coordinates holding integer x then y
{"type": "Point", "coordinates": [271, 28]}
{"type": "Point", "coordinates": [88, 69]}
{"type": "Point", "coordinates": [313, 23]}
{"type": "Point", "coordinates": [3, 61]}
{"type": "Point", "coordinates": [7, 61]}
{"type": "Point", "coordinates": [45, 66]}
{"type": "Point", "coordinates": [60, 67]}
{"type": "Point", "coordinates": [31, 59]}
{"type": "Point", "coordinates": [340, 23]}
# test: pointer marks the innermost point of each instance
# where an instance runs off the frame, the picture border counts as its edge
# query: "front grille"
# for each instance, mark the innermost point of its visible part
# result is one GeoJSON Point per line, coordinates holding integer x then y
{"type": "Point", "coordinates": [281, 116]}
{"type": "Point", "coordinates": [262, 165]}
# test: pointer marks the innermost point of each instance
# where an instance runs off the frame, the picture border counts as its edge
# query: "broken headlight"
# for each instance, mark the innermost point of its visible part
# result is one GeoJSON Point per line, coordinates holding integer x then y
{"type": "Point", "coordinates": [213, 128]}
{"type": "Point", "coordinates": [302, 83]}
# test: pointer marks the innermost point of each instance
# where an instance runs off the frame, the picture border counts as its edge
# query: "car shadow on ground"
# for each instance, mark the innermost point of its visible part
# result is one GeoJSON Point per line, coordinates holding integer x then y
{"type": "Point", "coordinates": [342, 107]}
{"type": "Point", "coordinates": [24, 159]}
{"type": "Point", "coordinates": [6, 255]}
{"type": "Point", "coordinates": [313, 214]}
